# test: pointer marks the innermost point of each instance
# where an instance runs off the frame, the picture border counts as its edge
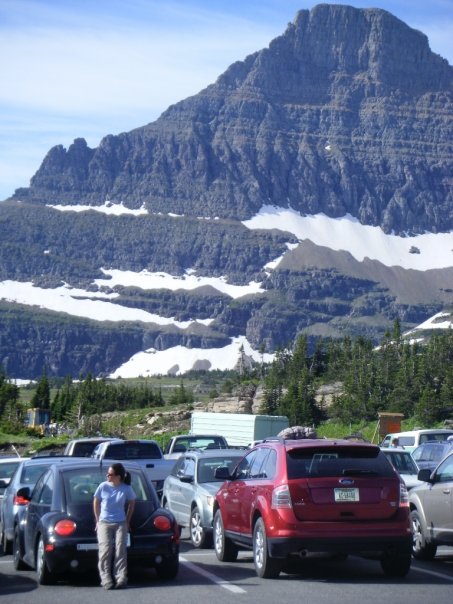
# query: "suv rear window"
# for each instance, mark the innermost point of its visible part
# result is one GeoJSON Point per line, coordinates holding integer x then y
{"type": "Point", "coordinates": [335, 461]}
{"type": "Point", "coordinates": [133, 451]}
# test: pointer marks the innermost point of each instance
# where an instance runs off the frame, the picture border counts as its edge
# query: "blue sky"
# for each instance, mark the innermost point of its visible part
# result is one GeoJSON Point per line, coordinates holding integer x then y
{"type": "Point", "coordinates": [88, 68]}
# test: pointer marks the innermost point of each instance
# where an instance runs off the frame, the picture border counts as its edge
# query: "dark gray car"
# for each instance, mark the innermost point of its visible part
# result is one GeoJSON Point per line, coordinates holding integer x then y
{"type": "Point", "coordinates": [26, 475]}
{"type": "Point", "coordinates": [430, 454]}
{"type": "Point", "coordinates": [431, 506]}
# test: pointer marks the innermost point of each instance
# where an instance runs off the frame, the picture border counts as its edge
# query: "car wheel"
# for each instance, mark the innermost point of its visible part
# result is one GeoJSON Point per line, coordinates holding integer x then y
{"type": "Point", "coordinates": [168, 569]}
{"type": "Point", "coordinates": [421, 550]}
{"type": "Point", "coordinates": [45, 577]}
{"type": "Point", "coordinates": [225, 550]}
{"type": "Point", "coordinates": [265, 566]}
{"type": "Point", "coordinates": [18, 563]}
{"type": "Point", "coordinates": [396, 562]}
{"type": "Point", "coordinates": [198, 535]}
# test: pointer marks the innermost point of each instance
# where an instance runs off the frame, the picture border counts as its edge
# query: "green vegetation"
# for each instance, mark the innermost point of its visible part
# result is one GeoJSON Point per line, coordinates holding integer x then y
{"type": "Point", "coordinates": [412, 379]}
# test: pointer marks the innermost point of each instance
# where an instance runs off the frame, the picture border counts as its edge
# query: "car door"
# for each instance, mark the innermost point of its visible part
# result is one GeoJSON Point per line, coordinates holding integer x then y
{"type": "Point", "coordinates": [40, 504]}
{"type": "Point", "coordinates": [187, 489]}
{"type": "Point", "coordinates": [254, 489]}
{"type": "Point", "coordinates": [438, 502]}
{"type": "Point", "coordinates": [234, 491]}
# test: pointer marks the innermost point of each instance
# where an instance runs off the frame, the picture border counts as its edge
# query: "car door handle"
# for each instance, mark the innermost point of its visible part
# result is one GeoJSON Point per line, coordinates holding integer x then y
{"type": "Point", "coordinates": [446, 491]}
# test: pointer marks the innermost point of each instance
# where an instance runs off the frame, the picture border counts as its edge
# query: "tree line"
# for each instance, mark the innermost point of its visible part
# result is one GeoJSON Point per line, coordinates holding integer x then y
{"type": "Point", "coordinates": [415, 379]}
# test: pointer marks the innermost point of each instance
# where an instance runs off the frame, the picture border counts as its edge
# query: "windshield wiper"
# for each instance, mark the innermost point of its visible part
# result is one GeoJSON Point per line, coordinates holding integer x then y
{"type": "Point", "coordinates": [359, 472]}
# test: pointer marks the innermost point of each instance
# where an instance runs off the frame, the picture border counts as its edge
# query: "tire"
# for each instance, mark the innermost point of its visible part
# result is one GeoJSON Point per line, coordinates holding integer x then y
{"type": "Point", "coordinates": [45, 577]}
{"type": "Point", "coordinates": [18, 562]}
{"type": "Point", "coordinates": [421, 549]}
{"type": "Point", "coordinates": [397, 562]}
{"type": "Point", "coordinates": [198, 535]}
{"type": "Point", "coordinates": [265, 566]}
{"type": "Point", "coordinates": [168, 569]}
{"type": "Point", "coordinates": [225, 550]}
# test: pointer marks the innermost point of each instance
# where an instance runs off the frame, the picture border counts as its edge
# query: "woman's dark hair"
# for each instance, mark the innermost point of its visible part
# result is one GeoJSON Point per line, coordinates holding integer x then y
{"type": "Point", "coordinates": [120, 471]}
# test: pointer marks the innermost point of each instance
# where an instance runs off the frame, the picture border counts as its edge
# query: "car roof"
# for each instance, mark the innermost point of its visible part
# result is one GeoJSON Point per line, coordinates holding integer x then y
{"type": "Point", "coordinates": [311, 443]}
{"type": "Point", "coordinates": [394, 450]}
{"type": "Point", "coordinates": [87, 462]}
{"type": "Point", "coordinates": [215, 452]}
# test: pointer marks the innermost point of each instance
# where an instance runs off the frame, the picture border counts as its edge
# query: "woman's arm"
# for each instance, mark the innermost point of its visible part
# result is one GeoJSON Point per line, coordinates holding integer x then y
{"type": "Point", "coordinates": [96, 509]}
{"type": "Point", "coordinates": [130, 511]}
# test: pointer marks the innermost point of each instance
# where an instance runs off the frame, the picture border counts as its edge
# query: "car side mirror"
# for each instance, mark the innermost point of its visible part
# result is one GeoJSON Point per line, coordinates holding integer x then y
{"type": "Point", "coordinates": [425, 475]}
{"type": "Point", "coordinates": [4, 482]}
{"type": "Point", "coordinates": [22, 496]}
{"type": "Point", "coordinates": [186, 478]}
{"type": "Point", "coordinates": [223, 473]}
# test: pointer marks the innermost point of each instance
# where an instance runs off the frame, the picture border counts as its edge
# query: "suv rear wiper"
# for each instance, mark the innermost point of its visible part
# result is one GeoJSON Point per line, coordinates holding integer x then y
{"type": "Point", "coordinates": [359, 472]}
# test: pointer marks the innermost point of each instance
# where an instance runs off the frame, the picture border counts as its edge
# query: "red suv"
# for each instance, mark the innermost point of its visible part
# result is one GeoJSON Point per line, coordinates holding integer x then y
{"type": "Point", "coordinates": [286, 499]}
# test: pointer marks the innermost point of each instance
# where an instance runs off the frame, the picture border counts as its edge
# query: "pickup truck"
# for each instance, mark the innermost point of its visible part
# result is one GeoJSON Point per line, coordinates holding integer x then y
{"type": "Point", "coordinates": [146, 453]}
{"type": "Point", "coordinates": [179, 444]}
{"type": "Point", "coordinates": [83, 447]}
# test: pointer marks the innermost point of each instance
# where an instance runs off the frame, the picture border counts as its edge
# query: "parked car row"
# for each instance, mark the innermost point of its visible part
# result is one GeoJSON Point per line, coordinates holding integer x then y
{"type": "Point", "coordinates": [282, 499]}
{"type": "Point", "coordinates": [47, 517]}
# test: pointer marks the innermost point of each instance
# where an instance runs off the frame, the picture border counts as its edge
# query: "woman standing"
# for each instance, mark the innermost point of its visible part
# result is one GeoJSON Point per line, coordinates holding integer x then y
{"type": "Point", "coordinates": [113, 504]}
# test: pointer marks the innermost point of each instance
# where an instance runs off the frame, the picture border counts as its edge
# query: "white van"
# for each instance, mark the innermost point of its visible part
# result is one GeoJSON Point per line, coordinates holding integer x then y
{"type": "Point", "coordinates": [411, 439]}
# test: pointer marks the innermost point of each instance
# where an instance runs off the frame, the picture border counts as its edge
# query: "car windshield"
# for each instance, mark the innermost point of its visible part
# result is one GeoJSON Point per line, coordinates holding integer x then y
{"type": "Point", "coordinates": [207, 467]}
{"type": "Point", "coordinates": [402, 462]}
{"type": "Point", "coordinates": [345, 461]}
{"type": "Point", "coordinates": [81, 484]}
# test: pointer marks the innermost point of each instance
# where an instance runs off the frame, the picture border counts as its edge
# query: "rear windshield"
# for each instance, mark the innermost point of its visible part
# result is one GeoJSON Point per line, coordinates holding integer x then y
{"type": "Point", "coordinates": [133, 451]}
{"type": "Point", "coordinates": [8, 468]}
{"type": "Point", "coordinates": [434, 436]}
{"type": "Point", "coordinates": [344, 461]}
{"type": "Point", "coordinates": [31, 473]}
{"type": "Point", "coordinates": [84, 449]}
{"type": "Point", "coordinates": [81, 484]}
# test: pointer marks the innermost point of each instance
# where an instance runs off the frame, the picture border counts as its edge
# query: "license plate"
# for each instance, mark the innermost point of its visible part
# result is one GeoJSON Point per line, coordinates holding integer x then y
{"type": "Point", "coordinates": [85, 547]}
{"type": "Point", "coordinates": [346, 495]}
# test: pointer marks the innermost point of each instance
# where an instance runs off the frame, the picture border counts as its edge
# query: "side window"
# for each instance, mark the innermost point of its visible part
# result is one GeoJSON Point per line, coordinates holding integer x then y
{"type": "Point", "coordinates": [189, 467]}
{"type": "Point", "coordinates": [445, 470]}
{"type": "Point", "coordinates": [270, 465]}
{"type": "Point", "coordinates": [37, 490]}
{"type": "Point", "coordinates": [243, 469]}
{"type": "Point", "coordinates": [42, 493]}
{"type": "Point", "coordinates": [260, 458]}
{"type": "Point", "coordinates": [178, 467]}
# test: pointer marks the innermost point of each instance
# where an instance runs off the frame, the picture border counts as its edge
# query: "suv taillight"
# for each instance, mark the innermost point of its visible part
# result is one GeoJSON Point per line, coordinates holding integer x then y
{"type": "Point", "coordinates": [404, 496]}
{"type": "Point", "coordinates": [19, 500]}
{"type": "Point", "coordinates": [281, 497]}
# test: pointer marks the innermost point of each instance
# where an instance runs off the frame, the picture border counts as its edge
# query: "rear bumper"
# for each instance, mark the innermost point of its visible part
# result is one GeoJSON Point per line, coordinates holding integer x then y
{"type": "Point", "coordinates": [376, 546]}
{"type": "Point", "coordinates": [68, 557]}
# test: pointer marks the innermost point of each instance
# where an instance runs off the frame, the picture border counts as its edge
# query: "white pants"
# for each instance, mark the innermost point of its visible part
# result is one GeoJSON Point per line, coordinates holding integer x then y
{"type": "Point", "coordinates": [112, 539]}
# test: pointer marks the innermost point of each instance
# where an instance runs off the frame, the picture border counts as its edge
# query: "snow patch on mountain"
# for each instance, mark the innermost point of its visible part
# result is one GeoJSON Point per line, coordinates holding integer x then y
{"type": "Point", "coordinates": [420, 252]}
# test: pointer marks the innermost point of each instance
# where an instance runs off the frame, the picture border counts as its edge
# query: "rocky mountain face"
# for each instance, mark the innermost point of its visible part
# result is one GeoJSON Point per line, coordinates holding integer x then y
{"type": "Point", "coordinates": [347, 112]}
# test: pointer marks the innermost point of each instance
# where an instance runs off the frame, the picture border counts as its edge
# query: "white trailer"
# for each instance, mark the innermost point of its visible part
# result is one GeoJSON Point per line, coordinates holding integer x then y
{"type": "Point", "coordinates": [239, 429]}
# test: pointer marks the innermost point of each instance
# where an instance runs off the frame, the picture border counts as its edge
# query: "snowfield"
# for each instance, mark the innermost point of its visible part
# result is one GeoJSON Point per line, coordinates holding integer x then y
{"type": "Point", "coordinates": [421, 252]}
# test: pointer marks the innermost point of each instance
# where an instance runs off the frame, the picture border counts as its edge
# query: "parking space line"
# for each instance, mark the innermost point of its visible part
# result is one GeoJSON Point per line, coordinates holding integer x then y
{"type": "Point", "coordinates": [214, 578]}
{"type": "Point", "coordinates": [432, 572]}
